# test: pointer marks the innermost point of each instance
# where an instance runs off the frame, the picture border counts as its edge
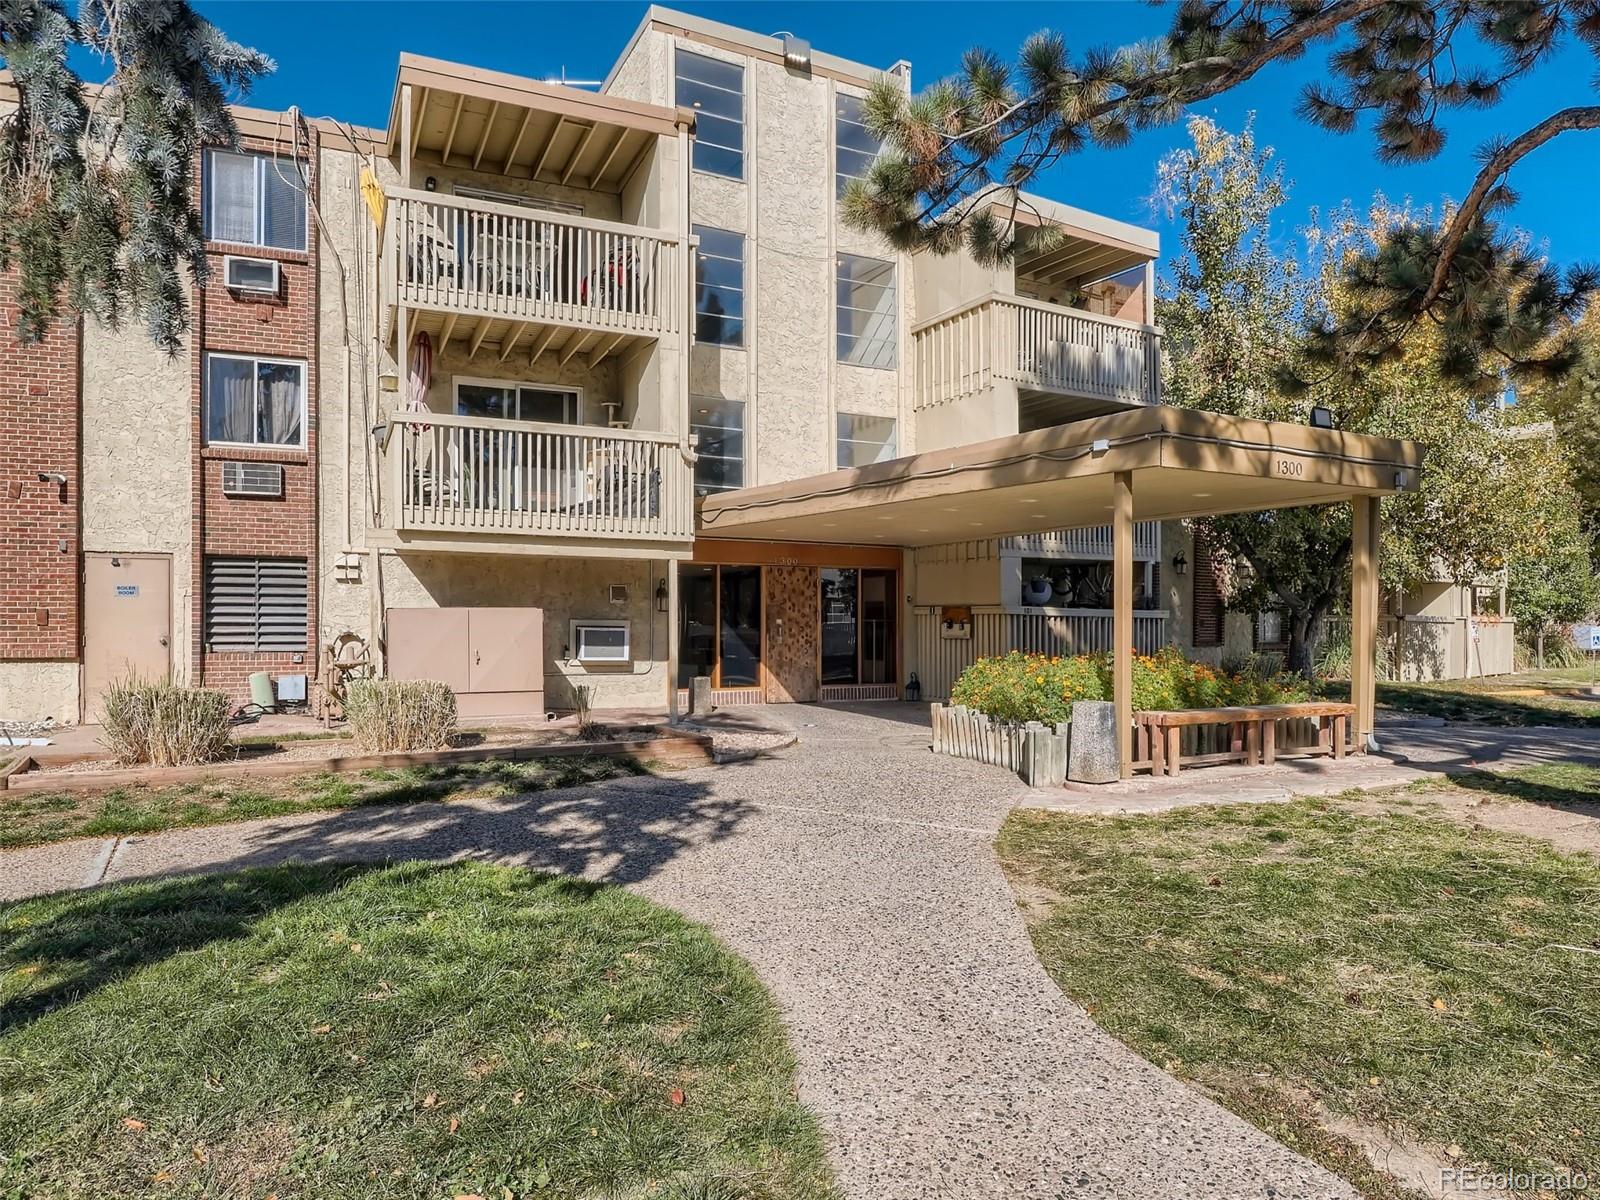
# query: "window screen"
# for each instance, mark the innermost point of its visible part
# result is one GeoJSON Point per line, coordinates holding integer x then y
{"type": "Point", "coordinates": [854, 147]}
{"type": "Point", "coordinates": [865, 319]}
{"type": "Point", "coordinates": [255, 604]}
{"type": "Point", "coordinates": [715, 90]}
{"type": "Point", "coordinates": [719, 465]}
{"type": "Point", "coordinates": [255, 200]}
{"type": "Point", "coordinates": [865, 440]}
{"type": "Point", "coordinates": [719, 287]}
{"type": "Point", "coordinates": [602, 643]}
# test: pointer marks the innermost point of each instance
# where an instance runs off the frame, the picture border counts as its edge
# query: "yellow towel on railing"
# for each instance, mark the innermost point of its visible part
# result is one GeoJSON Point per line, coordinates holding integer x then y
{"type": "Point", "coordinates": [372, 191]}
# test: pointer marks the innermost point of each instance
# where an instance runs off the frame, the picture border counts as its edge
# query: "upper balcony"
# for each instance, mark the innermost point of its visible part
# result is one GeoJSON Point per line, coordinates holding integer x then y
{"type": "Point", "coordinates": [459, 483]}
{"type": "Point", "coordinates": [1047, 351]}
{"type": "Point", "coordinates": [529, 217]}
{"type": "Point", "coordinates": [1061, 330]}
{"type": "Point", "coordinates": [511, 275]}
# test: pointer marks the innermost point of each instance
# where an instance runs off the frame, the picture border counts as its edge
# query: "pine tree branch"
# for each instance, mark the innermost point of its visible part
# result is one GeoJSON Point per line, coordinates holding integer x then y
{"type": "Point", "coordinates": [1578, 117]}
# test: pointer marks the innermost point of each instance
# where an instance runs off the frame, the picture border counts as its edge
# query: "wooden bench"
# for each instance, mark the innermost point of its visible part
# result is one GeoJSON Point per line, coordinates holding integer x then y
{"type": "Point", "coordinates": [1252, 733]}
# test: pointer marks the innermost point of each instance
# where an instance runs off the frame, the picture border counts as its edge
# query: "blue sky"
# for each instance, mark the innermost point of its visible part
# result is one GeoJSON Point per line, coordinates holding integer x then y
{"type": "Point", "coordinates": [338, 58]}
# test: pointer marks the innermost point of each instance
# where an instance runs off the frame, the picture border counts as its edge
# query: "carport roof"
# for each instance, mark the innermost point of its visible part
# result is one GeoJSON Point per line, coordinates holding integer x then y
{"type": "Point", "coordinates": [1183, 463]}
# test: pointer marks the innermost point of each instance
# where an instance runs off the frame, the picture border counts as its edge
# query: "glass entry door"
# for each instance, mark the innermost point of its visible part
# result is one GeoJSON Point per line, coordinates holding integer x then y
{"type": "Point", "coordinates": [719, 615]}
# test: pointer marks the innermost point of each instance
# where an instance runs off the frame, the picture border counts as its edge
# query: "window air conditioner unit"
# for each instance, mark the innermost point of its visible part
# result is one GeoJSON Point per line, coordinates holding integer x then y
{"type": "Point", "coordinates": [252, 479]}
{"type": "Point", "coordinates": [242, 274]}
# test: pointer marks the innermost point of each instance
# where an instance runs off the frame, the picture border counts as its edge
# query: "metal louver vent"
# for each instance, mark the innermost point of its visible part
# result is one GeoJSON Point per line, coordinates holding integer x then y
{"type": "Point", "coordinates": [252, 479]}
{"type": "Point", "coordinates": [255, 604]}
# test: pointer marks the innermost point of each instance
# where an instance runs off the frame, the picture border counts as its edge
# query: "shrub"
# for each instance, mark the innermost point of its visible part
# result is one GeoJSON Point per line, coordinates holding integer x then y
{"type": "Point", "coordinates": [1035, 687]}
{"type": "Point", "coordinates": [1028, 687]}
{"type": "Point", "coordinates": [164, 724]}
{"type": "Point", "coordinates": [401, 714]}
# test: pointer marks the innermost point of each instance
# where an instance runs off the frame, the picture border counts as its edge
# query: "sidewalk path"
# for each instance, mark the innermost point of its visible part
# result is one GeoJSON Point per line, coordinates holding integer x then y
{"type": "Point", "coordinates": [855, 871]}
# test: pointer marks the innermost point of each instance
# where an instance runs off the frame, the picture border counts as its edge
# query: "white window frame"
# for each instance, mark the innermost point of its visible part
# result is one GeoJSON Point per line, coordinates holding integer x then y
{"type": "Point", "coordinates": [840, 441]}
{"type": "Point", "coordinates": [744, 434]}
{"type": "Point", "coordinates": [264, 162]}
{"type": "Point", "coordinates": [744, 110]}
{"type": "Point", "coordinates": [577, 625]}
{"type": "Point", "coordinates": [744, 274]}
{"type": "Point", "coordinates": [257, 360]}
{"type": "Point", "coordinates": [839, 308]}
{"type": "Point", "coordinates": [518, 385]}
{"type": "Point", "coordinates": [840, 175]}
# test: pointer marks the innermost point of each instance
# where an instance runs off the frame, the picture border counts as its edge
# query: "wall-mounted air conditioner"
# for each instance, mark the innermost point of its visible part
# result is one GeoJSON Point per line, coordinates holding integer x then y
{"type": "Point", "coordinates": [242, 274]}
{"type": "Point", "coordinates": [252, 479]}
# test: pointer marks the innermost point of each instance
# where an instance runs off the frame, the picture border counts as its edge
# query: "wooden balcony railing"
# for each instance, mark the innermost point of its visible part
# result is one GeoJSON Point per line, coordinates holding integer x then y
{"type": "Point", "coordinates": [480, 258]}
{"type": "Point", "coordinates": [1089, 543]}
{"type": "Point", "coordinates": [1038, 346]}
{"type": "Point", "coordinates": [996, 631]}
{"type": "Point", "coordinates": [471, 475]}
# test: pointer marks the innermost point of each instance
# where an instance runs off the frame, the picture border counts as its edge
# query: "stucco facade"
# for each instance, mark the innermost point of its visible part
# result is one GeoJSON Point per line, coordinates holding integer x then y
{"type": "Point", "coordinates": [538, 236]}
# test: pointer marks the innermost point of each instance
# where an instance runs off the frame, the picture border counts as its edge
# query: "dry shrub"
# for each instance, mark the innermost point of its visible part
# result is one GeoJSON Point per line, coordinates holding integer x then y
{"type": "Point", "coordinates": [165, 724]}
{"type": "Point", "coordinates": [401, 714]}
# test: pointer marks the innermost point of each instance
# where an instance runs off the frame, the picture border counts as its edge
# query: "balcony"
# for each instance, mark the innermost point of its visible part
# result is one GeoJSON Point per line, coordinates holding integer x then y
{"type": "Point", "coordinates": [1044, 350]}
{"type": "Point", "coordinates": [468, 483]}
{"type": "Point", "coordinates": [1091, 543]}
{"type": "Point", "coordinates": [515, 276]}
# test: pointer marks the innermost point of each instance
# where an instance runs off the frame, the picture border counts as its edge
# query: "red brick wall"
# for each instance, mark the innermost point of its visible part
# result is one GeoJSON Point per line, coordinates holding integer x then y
{"type": "Point", "coordinates": [280, 326]}
{"type": "Point", "coordinates": [39, 528]}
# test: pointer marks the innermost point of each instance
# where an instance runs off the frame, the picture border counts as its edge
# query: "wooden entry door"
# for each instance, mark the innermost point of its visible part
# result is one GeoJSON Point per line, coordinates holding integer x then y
{"type": "Point", "coordinates": [791, 619]}
{"type": "Point", "coordinates": [127, 622]}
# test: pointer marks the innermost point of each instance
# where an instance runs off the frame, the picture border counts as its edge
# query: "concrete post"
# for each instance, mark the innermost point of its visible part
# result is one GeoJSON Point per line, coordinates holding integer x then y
{"type": "Point", "coordinates": [672, 641]}
{"type": "Point", "coordinates": [1122, 617]}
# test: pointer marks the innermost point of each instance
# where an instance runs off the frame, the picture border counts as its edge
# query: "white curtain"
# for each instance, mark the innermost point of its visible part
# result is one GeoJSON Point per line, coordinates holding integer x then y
{"type": "Point", "coordinates": [233, 197]}
{"type": "Point", "coordinates": [280, 401]}
{"type": "Point", "coordinates": [231, 399]}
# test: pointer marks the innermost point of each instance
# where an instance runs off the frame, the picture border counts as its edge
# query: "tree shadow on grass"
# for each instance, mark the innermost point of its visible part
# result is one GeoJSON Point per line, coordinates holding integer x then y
{"type": "Point", "coordinates": [93, 938]}
{"type": "Point", "coordinates": [1532, 791]}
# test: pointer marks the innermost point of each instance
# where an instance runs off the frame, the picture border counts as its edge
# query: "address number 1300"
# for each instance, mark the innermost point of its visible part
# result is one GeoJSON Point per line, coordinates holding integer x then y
{"type": "Point", "coordinates": [1291, 468]}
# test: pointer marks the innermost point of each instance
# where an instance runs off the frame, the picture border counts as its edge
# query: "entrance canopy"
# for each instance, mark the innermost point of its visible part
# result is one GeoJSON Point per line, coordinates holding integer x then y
{"type": "Point", "coordinates": [1180, 462]}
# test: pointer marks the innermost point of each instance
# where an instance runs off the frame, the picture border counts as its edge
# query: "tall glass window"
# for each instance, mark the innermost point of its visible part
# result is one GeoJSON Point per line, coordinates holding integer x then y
{"type": "Point", "coordinates": [877, 626]}
{"type": "Point", "coordinates": [854, 147]}
{"type": "Point", "coordinates": [719, 287]}
{"type": "Point", "coordinates": [740, 627]}
{"type": "Point", "coordinates": [840, 600]}
{"type": "Point", "coordinates": [866, 305]}
{"type": "Point", "coordinates": [719, 465]}
{"type": "Point", "coordinates": [715, 90]}
{"type": "Point", "coordinates": [858, 625]}
{"type": "Point", "coordinates": [697, 622]}
{"type": "Point", "coordinates": [865, 440]}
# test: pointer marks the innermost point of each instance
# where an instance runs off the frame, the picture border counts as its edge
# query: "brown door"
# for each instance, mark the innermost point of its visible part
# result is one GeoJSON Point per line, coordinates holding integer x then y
{"type": "Point", "coordinates": [507, 646]}
{"type": "Point", "coordinates": [791, 656]}
{"type": "Point", "coordinates": [429, 643]}
{"type": "Point", "coordinates": [127, 622]}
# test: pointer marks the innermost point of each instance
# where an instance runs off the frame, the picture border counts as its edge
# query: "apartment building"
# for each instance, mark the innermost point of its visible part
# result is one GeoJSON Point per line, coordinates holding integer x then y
{"type": "Point", "coordinates": [541, 388]}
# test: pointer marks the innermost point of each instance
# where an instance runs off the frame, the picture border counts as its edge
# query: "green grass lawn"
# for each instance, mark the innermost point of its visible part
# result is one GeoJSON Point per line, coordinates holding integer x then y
{"type": "Point", "coordinates": [1418, 974]}
{"type": "Point", "coordinates": [32, 818]}
{"type": "Point", "coordinates": [1488, 701]}
{"type": "Point", "coordinates": [409, 1031]}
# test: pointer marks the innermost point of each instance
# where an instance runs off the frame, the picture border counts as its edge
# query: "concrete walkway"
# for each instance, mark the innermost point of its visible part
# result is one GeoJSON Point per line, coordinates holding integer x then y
{"type": "Point", "coordinates": [856, 872]}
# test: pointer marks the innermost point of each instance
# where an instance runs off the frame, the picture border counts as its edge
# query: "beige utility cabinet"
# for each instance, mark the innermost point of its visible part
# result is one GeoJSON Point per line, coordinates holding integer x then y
{"type": "Point", "coordinates": [492, 658]}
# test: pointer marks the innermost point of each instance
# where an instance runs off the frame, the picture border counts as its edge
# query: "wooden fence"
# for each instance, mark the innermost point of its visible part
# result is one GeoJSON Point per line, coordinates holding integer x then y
{"type": "Point", "coordinates": [1036, 751]}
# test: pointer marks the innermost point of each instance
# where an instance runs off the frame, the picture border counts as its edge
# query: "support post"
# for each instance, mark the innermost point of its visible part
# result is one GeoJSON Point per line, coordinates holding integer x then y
{"type": "Point", "coordinates": [672, 641]}
{"type": "Point", "coordinates": [1122, 617]}
{"type": "Point", "coordinates": [1364, 531]}
{"type": "Point", "coordinates": [405, 135]}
